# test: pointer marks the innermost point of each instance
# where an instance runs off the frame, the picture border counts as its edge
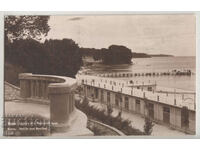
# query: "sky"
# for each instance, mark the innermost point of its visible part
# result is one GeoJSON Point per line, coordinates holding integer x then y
{"type": "Point", "coordinates": [152, 34]}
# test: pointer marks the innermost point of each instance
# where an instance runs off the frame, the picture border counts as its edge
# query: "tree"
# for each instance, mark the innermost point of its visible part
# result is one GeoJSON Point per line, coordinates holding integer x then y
{"type": "Point", "coordinates": [25, 27]}
{"type": "Point", "coordinates": [64, 57]}
{"type": "Point", "coordinates": [54, 57]}
{"type": "Point", "coordinates": [148, 126]}
{"type": "Point", "coordinates": [119, 103]}
{"type": "Point", "coordinates": [109, 109]}
{"type": "Point", "coordinates": [29, 54]}
{"type": "Point", "coordinates": [116, 54]}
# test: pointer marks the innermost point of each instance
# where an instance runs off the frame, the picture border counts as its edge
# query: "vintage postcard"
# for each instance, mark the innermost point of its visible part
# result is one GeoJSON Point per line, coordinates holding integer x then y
{"type": "Point", "coordinates": [100, 75]}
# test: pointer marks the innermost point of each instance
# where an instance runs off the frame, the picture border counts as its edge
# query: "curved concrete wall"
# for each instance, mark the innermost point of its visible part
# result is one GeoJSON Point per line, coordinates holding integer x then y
{"type": "Point", "coordinates": [56, 89]}
{"type": "Point", "coordinates": [110, 130]}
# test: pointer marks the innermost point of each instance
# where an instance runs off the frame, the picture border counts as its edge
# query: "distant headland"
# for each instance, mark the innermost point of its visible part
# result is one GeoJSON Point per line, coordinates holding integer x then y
{"type": "Point", "coordinates": [115, 54]}
{"type": "Point", "coordinates": [144, 55]}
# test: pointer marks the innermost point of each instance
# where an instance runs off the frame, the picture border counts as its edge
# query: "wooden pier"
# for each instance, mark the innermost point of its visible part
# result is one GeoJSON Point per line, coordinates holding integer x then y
{"type": "Point", "coordinates": [138, 74]}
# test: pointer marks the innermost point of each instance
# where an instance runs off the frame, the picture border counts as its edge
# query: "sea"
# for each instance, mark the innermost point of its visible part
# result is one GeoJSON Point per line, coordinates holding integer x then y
{"type": "Point", "coordinates": [155, 64]}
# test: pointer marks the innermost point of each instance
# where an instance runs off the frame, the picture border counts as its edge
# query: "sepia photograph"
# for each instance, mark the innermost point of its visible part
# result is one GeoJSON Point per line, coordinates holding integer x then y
{"type": "Point", "coordinates": [100, 75]}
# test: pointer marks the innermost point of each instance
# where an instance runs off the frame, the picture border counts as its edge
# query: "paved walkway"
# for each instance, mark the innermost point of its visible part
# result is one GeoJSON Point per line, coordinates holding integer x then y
{"type": "Point", "coordinates": [138, 122]}
{"type": "Point", "coordinates": [77, 121]}
{"type": "Point", "coordinates": [13, 106]}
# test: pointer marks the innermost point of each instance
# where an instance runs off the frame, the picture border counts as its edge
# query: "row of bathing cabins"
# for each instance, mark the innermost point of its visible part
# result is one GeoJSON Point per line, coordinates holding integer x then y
{"type": "Point", "coordinates": [174, 110]}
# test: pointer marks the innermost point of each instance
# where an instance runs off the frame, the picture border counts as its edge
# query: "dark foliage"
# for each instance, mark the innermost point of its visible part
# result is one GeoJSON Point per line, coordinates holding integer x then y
{"type": "Point", "coordinates": [92, 52]}
{"type": "Point", "coordinates": [148, 126]}
{"type": "Point", "coordinates": [116, 55]}
{"type": "Point", "coordinates": [22, 49]}
{"type": "Point", "coordinates": [109, 109]}
{"type": "Point", "coordinates": [117, 122]}
{"type": "Point", "coordinates": [25, 27]}
{"type": "Point", "coordinates": [99, 54]}
{"type": "Point", "coordinates": [64, 57]}
{"type": "Point", "coordinates": [140, 55]}
{"type": "Point", "coordinates": [11, 73]}
{"type": "Point", "coordinates": [97, 131]}
{"type": "Point", "coordinates": [56, 57]}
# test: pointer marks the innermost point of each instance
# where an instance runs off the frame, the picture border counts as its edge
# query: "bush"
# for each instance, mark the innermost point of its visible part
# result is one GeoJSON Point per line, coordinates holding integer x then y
{"type": "Point", "coordinates": [97, 131]}
{"type": "Point", "coordinates": [148, 126]}
{"type": "Point", "coordinates": [100, 115]}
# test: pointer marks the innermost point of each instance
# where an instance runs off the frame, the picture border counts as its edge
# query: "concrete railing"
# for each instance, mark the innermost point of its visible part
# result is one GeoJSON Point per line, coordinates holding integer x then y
{"type": "Point", "coordinates": [170, 99]}
{"type": "Point", "coordinates": [104, 127]}
{"type": "Point", "coordinates": [58, 91]}
{"type": "Point", "coordinates": [114, 82]}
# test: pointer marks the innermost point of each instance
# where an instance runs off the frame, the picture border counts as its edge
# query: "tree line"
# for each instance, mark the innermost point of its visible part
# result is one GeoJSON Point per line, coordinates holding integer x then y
{"type": "Point", "coordinates": [25, 52]}
{"type": "Point", "coordinates": [55, 57]}
{"type": "Point", "coordinates": [114, 54]}
{"type": "Point", "coordinates": [58, 57]}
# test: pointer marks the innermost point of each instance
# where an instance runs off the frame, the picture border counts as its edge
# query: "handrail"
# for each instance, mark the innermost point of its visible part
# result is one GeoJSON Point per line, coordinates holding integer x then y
{"type": "Point", "coordinates": [173, 100]}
